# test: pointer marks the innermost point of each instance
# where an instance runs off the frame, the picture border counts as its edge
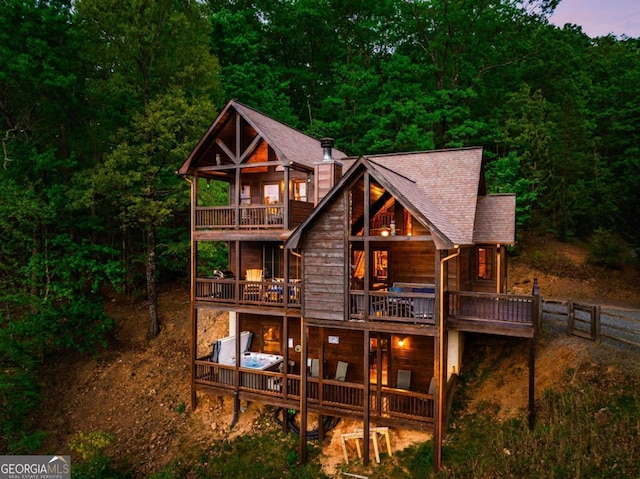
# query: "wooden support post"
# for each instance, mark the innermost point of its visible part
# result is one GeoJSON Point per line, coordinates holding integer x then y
{"type": "Point", "coordinates": [532, 402]}
{"type": "Point", "coordinates": [194, 329]}
{"type": "Point", "coordinates": [595, 324]}
{"type": "Point", "coordinates": [193, 312]}
{"type": "Point", "coordinates": [321, 375]}
{"type": "Point", "coordinates": [571, 317]}
{"type": "Point", "coordinates": [304, 336]}
{"type": "Point", "coordinates": [367, 399]}
{"type": "Point", "coordinates": [285, 372]}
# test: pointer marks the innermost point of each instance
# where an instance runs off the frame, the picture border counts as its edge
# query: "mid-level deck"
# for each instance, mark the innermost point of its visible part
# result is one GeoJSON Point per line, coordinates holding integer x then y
{"type": "Point", "coordinates": [492, 313]}
{"type": "Point", "coordinates": [267, 293]}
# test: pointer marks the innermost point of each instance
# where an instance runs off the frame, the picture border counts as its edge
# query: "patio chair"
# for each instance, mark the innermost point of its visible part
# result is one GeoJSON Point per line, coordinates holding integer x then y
{"type": "Point", "coordinates": [254, 284]}
{"type": "Point", "coordinates": [341, 371]}
{"type": "Point", "coordinates": [404, 379]}
{"type": "Point", "coordinates": [315, 367]}
{"type": "Point", "coordinates": [432, 386]}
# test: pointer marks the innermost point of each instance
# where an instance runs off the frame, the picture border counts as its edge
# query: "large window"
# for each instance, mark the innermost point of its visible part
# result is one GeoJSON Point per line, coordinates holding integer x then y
{"type": "Point", "coordinates": [271, 261]}
{"type": "Point", "coordinates": [271, 193]}
{"type": "Point", "coordinates": [486, 259]}
{"type": "Point", "coordinates": [300, 190]}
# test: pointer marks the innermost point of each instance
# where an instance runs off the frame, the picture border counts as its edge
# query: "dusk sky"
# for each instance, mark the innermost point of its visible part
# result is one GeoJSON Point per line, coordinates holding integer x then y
{"type": "Point", "coordinates": [600, 17]}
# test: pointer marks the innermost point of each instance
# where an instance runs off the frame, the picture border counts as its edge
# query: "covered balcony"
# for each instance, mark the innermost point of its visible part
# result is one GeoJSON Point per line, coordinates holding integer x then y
{"type": "Point", "coordinates": [273, 292]}
{"type": "Point", "coordinates": [494, 313]}
{"type": "Point", "coordinates": [253, 216]}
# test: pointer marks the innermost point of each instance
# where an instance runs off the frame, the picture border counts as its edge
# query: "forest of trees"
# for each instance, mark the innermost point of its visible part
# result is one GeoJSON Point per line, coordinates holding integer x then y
{"type": "Point", "coordinates": [102, 100]}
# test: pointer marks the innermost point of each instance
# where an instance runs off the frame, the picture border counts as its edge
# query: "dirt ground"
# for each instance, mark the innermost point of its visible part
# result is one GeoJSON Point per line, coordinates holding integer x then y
{"type": "Point", "coordinates": [138, 390]}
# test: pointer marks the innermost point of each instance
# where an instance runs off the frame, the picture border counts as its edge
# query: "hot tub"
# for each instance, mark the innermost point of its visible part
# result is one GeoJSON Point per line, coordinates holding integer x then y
{"type": "Point", "coordinates": [260, 361]}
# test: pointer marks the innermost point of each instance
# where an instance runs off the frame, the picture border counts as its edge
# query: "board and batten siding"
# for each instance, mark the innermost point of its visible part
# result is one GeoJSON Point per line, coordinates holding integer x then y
{"type": "Point", "coordinates": [324, 264]}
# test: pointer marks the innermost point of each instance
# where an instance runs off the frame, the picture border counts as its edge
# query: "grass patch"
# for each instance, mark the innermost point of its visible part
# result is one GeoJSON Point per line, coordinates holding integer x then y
{"type": "Point", "coordinates": [582, 431]}
{"type": "Point", "coordinates": [267, 455]}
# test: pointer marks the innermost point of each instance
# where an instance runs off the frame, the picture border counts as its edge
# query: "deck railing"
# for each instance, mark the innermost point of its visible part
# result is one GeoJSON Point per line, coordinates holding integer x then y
{"type": "Point", "coordinates": [420, 307]}
{"type": "Point", "coordinates": [403, 404]}
{"type": "Point", "coordinates": [393, 306]}
{"type": "Point", "coordinates": [506, 308]}
{"type": "Point", "coordinates": [336, 395]}
{"type": "Point", "coordinates": [259, 293]}
{"type": "Point", "coordinates": [249, 217]}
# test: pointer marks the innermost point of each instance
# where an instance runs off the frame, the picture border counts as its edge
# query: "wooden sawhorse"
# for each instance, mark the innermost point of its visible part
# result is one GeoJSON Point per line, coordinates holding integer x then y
{"type": "Point", "coordinates": [373, 434]}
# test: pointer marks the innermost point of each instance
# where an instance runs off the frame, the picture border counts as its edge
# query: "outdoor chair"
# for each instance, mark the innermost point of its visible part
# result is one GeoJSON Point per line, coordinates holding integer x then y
{"type": "Point", "coordinates": [315, 367]}
{"type": "Point", "coordinates": [341, 371]}
{"type": "Point", "coordinates": [432, 386]}
{"type": "Point", "coordinates": [404, 379]}
{"type": "Point", "coordinates": [253, 286]}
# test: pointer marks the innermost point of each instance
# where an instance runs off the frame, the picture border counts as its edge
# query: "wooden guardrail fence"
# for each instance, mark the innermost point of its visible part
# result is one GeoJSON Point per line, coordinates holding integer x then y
{"type": "Point", "coordinates": [595, 321]}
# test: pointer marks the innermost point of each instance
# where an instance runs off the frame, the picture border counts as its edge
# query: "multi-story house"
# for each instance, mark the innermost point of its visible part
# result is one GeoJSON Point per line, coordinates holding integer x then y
{"type": "Point", "coordinates": [350, 281]}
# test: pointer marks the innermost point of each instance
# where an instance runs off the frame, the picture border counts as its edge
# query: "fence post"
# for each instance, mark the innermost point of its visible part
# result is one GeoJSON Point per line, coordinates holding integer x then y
{"type": "Point", "coordinates": [595, 324]}
{"type": "Point", "coordinates": [537, 306]}
{"type": "Point", "coordinates": [570, 317]}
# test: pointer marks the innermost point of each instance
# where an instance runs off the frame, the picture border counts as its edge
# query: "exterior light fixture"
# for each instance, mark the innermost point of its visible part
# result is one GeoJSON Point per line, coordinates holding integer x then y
{"type": "Point", "coordinates": [384, 231]}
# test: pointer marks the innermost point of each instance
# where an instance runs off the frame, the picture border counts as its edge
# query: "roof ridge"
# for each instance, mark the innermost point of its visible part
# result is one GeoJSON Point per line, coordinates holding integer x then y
{"type": "Point", "coordinates": [390, 170]}
{"type": "Point", "coordinates": [418, 152]}
{"type": "Point", "coordinates": [293, 128]}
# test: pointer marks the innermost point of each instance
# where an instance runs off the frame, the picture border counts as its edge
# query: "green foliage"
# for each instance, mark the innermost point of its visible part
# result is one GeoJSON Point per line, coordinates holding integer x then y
{"type": "Point", "coordinates": [212, 255]}
{"type": "Point", "coordinates": [268, 455]}
{"type": "Point", "coordinates": [605, 249]}
{"type": "Point", "coordinates": [91, 445]}
{"type": "Point", "coordinates": [504, 175]}
{"type": "Point", "coordinates": [94, 463]}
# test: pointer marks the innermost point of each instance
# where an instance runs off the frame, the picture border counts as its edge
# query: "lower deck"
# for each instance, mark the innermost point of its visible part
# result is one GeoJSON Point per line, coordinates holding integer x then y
{"type": "Point", "coordinates": [386, 405]}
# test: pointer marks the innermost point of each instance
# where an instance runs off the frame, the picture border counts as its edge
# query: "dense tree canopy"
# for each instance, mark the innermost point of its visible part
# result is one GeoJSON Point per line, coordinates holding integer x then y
{"type": "Point", "coordinates": [100, 102]}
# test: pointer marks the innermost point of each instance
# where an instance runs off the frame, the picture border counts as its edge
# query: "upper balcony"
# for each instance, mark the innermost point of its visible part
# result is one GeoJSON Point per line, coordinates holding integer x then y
{"type": "Point", "coordinates": [272, 216]}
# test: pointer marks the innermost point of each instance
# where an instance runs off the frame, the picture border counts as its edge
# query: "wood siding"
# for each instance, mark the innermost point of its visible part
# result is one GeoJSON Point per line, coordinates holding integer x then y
{"type": "Point", "coordinates": [349, 349]}
{"type": "Point", "coordinates": [412, 262]}
{"type": "Point", "coordinates": [416, 354]}
{"type": "Point", "coordinates": [324, 265]}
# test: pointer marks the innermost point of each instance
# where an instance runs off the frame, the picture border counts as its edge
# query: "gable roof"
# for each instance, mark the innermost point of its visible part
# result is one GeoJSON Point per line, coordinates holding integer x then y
{"type": "Point", "coordinates": [290, 145]}
{"type": "Point", "coordinates": [495, 219]}
{"type": "Point", "coordinates": [439, 188]}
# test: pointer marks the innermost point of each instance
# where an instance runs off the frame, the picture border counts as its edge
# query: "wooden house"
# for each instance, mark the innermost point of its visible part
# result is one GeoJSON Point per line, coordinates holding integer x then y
{"type": "Point", "coordinates": [351, 281]}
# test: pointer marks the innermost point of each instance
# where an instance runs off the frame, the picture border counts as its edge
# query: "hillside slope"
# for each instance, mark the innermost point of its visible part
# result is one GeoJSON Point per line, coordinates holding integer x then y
{"type": "Point", "coordinates": [138, 391]}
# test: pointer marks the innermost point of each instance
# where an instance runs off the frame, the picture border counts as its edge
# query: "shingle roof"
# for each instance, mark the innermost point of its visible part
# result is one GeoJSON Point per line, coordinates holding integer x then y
{"type": "Point", "coordinates": [440, 188]}
{"type": "Point", "coordinates": [291, 145]}
{"type": "Point", "coordinates": [443, 186]}
{"type": "Point", "coordinates": [495, 219]}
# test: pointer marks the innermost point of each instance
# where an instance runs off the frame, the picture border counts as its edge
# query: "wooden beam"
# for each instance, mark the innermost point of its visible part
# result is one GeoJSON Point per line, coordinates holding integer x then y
{"type": "Point", "coordinates": [193, 312]}
{"type": "Point", "coordinates": [236, 159]}
{"type": "Point", "coordinates": [224, 148]}
{"type": "Point", "coordinates": [250, 149]}
{"type": "Point", "coordinates": [438, 374]}
{"type": "Point", "coordinates": [367, 401]}
{"type": "Point", "coordinates": [532, 402]}
{"type": "Point", "coordinates": [304, 336]}
{"type": "Point", "coordinates": [285, 370]}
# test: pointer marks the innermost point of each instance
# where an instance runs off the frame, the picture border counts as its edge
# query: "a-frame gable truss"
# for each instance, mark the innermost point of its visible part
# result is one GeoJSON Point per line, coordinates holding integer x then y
{"type": "Point", "coordinates": [379, 203]}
